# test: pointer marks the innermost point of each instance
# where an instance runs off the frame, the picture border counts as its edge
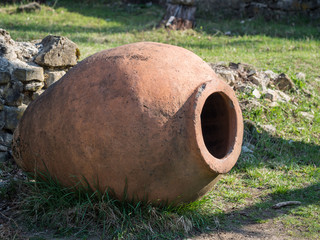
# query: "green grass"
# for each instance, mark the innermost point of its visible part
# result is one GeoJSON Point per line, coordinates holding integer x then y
{"type": "Point", "coordinates": [284, 166]}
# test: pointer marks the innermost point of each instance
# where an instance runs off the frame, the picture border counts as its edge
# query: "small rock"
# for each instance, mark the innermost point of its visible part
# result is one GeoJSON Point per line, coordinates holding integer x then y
{"type": "Point", "coordinates": [33, 86]}
{"type": "Point", "coordinates": [301, 76]}
{"type": "Point", "coordinates": [12, 116]}
{"type": "Point", "coordinates": [3, 148]}
{"type": "Point", "coordinates": [30, 7]}
{"type": "Point", "coordinates": [249, 69]}
{"type": "Point", "coordinates": [4, 63]}
{"type": "Point", "coordinates": [57, 52]}
{"type": "Point", "coordinates": [256, 93]}
{"type": "Point", "coordinates": [4, 77]}
{"type": "Point", "coordinates": [271, 95]}
{"type": "Point", "coordinates": [229, 75]}
{"type": "Point", "coordinates": [28, 73]}
{"type": "Point", "coordinates": [282, 96]}
{"type": "Point", "coordinates": [274, 104]}
{"type": "Point", "coordinates": [243, 87]}
{"type": "Point", "coordinates": [26, 51]}
{"type": "Point", "coordinates": [234, 66]}
{"type": "Point", "coordinates": [6, 139]}
{"type": "Point", "coordinates": [251, 72]}
{"type": "Point", "coordinates": [255, 80]}
{"type": "Point", "coordinates": [6, 45]}
{"type": "Point", "coordinates": [36, 94]}
{"type": "Point", "coordinates": [52, 76]}
{"type": "Point", "coordinates": [283, 82]}
{"type": "Point", "coordinates": [12, 94]}
{"type": "Point", "coordinates": [307, 116]}
{"type": "Point", "coordinates": [270, 74]}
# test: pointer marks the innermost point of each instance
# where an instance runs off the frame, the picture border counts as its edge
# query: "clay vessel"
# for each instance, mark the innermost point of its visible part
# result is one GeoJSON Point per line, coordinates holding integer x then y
{"type": "Point", "coordinates": [146, 120]}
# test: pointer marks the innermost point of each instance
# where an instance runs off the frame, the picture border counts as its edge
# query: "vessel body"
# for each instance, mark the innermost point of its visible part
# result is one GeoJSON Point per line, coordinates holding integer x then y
{"type": "Point", "coordinates": [146, 120]}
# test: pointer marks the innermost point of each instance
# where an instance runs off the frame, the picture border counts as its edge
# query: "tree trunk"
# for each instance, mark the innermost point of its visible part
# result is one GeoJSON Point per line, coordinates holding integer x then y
{"type": "Point", "coordinates": [180, 14]}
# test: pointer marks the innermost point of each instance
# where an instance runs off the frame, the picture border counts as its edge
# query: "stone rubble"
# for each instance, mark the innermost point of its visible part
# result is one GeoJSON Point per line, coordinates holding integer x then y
{"type": "Point", "coordinates": [26, 70]}
{"type": "Point", "coordinates": [260, 84]}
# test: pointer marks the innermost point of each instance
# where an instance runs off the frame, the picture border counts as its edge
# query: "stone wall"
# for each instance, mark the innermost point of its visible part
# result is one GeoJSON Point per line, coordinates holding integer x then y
{"type": "Point", "coordinates": [26, 70]}
{"type": "Point", "coordinates": [265, 8]}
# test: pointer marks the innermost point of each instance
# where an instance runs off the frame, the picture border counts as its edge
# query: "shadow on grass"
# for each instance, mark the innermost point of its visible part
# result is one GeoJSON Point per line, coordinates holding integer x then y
{"type": "Point", "coordinates": [273, 153]}
{"type": "Point", "coordinates": [235, 221]}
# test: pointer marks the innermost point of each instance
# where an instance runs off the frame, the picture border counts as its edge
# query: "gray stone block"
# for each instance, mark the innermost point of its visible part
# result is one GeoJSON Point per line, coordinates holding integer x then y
{"type": "Point", "coordinates": [57, 52]}
{"type": "Point", "coordinates": [5, 77]}
{"type": "Point", "coordinates": [28, 73]}
{"type": "Point", "coordinates": [52, 76]}
{"type": "Point", "coordinates": [33, 86]}
{"type": "Point", "coordinates": [12, 94]}
{"type": "Point", "coordinates": [12, 116]}
{"type": "Point", "coordinates": [6, 139]}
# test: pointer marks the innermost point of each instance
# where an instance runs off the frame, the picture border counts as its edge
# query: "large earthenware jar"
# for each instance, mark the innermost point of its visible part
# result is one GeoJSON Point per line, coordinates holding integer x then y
{"type": "Point", "coordinates": [148, 120]}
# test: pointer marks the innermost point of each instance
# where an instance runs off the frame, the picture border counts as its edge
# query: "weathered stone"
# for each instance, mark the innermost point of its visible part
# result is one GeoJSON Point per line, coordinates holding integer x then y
{"type": "Point", "coordinates": [301, 76]}
{"type": "Point", "coordinates": [3, 148]}
{"type": "Point", "coordinates": [4, 64]}
{"type": "Point", "coordinates": [256, 93]}
{"type": "Point", "coordinates": [255, 80]}
{"type": "Point", "coordinates": [283, 82]}
{"type": "Point", "coordinates": [273, 104]}
{"type": "Point", "coordinates": [244, 68]}
{"type": "Point", "coordinates": [6, 45]}
{"type": "Point", "coordinates": [12, 94]}
{"type": "Point", "coordinates": [12, 116]}
{"type": "Point", "coordinates": [270, 75]}
{"type": "Point", "coordinates": [52, 76]}
{"type": "Point", "coordinates": [36, 94]}
{"type": "Point", "coordinates": [282, 96]}
{"type": "Point", "coordinates": [57, 52]}
{"type": "Point", "coordinates": [28, 73]}
{"type": "Point", "coordinates": [243, 87]}
{"type": "Point", "coordinates": [26, 51]}
{"type": "Point", "coordinates": [30, 7]}
{"type": "Point", "coordinates": [4, 77]}
{"type": "Point", "coordinates": [271, 95]}
{"type": "Point", "coordinates": [33, 86]}
{"type": "Point", "coordinates": [6, 139]}
{"type": "Point", "coordinates": [228, 74]}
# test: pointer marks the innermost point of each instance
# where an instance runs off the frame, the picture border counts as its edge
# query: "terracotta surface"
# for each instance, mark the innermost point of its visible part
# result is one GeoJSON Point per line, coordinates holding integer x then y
{"type": "Point", "coordinates": [148, 119]}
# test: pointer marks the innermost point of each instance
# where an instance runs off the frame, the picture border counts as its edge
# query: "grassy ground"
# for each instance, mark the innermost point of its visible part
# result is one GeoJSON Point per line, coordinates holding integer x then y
{"type": "Point", "coordinates": [283, 166]}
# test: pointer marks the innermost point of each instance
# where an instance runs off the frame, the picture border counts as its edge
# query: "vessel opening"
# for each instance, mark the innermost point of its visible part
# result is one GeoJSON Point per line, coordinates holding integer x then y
{"type": "Point", "coordinates": [218, 124]}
